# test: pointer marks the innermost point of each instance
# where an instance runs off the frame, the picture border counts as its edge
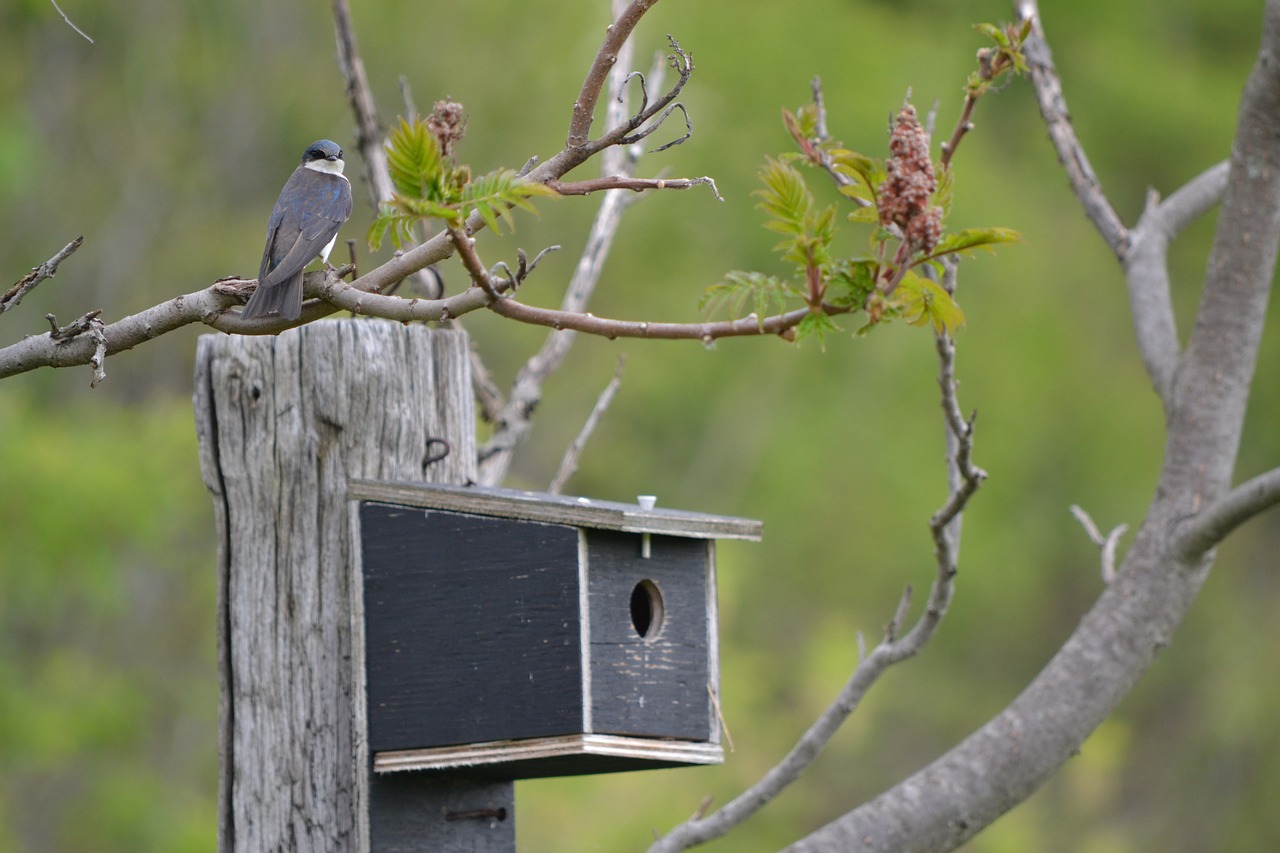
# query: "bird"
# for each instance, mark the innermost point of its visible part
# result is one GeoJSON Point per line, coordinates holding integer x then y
{"type": "Point", "coordinates": [315, 202]}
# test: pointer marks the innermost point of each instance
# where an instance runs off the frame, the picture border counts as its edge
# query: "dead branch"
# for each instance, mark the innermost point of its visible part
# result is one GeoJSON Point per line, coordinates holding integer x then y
{"type": "Point", "coordinates": [369, 135]}
{"type": "Point", "coordinates": [616, 36]}
{"type": "Point", "coordinates": [513, 417]}
{"type": "Point", "coordinates": [29, 282]}
{"type": "Point", "coordinates": [71, 23]}
{"type": "Point", "coordinates": [1106, 544]}
{"type": "Point", "coordinates": [624, 182]}
{"type": "Point", "coordinates": [569, 464]}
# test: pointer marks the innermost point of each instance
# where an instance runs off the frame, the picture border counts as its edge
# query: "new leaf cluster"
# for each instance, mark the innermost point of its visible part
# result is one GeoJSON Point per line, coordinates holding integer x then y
{"type": "Point", "coordinates": [899, 276]}
{"type": "Point", "coordinates": [429, 185]}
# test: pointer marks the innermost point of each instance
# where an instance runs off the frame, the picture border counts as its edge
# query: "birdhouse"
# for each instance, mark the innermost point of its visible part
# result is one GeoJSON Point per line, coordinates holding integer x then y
{"type": "Point", "coordinates": [515, 634]}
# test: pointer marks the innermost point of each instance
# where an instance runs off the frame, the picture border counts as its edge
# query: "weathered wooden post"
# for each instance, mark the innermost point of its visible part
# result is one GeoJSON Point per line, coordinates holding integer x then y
{"type": "Point", "coordinates": [392, 653]}
{"type": "Point", "coordinates": [284, 424]}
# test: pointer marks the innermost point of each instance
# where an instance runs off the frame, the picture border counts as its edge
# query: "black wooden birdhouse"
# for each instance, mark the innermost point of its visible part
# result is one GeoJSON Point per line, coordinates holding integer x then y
{"type": "Point", "coordinates": [515, 634]}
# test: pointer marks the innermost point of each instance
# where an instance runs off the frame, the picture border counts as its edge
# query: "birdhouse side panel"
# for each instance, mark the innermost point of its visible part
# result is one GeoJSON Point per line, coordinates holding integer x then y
{"type": "Point", "coordinates": [650, 639]}
{"type": "Point", "coordinates": [472, 628]}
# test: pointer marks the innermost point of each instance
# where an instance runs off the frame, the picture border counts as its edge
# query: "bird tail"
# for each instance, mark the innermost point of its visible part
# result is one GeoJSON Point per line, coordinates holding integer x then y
{"type": "Point", "coordinates": [276, 297]}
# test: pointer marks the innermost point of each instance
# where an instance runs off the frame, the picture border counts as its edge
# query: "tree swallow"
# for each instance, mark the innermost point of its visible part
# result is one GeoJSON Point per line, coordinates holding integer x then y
{"type": "Point", "coordinates": [314, 203]}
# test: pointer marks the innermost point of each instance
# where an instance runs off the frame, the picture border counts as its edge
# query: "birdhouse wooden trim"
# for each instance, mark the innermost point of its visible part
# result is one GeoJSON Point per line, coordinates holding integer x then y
{"type": "Point", "coordinates": [535, 750]}
{"type": "Point", "coordinates": [517, 634]}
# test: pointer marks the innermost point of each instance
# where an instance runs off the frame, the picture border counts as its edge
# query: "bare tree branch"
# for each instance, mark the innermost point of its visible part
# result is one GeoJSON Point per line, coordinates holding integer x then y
{"type": "Point", "coordinates": [1196, 535]}
{"type": "Point", "coordinates": [70, 23]}
{"type": "Point", "coordinates": [569, 464]}
{"type": "Point", "coordinates": [1146, 266]}
{"type": "Point", "coordinates": [1012, 755]}
{"type": "Point", "coordinates": [365, 294]}
{"type": "Point", "coordinates": [633, 128]}
{"type": "Point", "coordinates": [1057, 120]}
{"type": "Point", "coordinates": [513, 417]}
{"type": "Point", "coordinates": [1106, 544]}
{"type": "Point", "coordinates": [211, 307]}
{"type": "Point", "coordinates": [617, 36]}
{"type": "Point", "coordinates": [964, 479]}
{"type": "Point", "coordinates": [29, 282]}
{"type": "Point", "coordinates": [623, 182]}
{"type": "Point", "coordinates": [488, 395]}
{"type": "Point", "coordinates": [823, 135]}
{"type": "Point", "coordinates": [608, 328]}
{"type": "Point", "coordinates": [369, 135]}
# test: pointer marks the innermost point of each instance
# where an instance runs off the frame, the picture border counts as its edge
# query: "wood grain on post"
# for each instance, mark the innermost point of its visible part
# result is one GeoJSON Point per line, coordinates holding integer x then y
{"type": "Point", "coordinates": [284, 422]}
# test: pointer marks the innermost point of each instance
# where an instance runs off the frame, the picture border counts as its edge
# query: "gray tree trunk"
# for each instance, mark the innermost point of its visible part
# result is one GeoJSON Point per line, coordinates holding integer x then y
{"type": "Point", "coordinates": [283, 423]}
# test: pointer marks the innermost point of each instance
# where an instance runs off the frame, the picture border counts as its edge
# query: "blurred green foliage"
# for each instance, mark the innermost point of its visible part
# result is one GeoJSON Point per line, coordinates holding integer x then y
{"type": "Point", "coordinates": [165, 143]}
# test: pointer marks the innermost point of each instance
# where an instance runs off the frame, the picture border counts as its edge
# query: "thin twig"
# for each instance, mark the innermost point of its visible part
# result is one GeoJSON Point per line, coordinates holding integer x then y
{"type": "Point", "coordinates": [466, 247]}
{"type": "Point", "coordinates": [1057, 119]}
{"type": "Point", "coordinates": [820, 152]}
{"type": "Point", "coordinates": [964, 478]}
{"type": "Point", "coordinates": [369, 135]}
{"type": "Point", "coordinates": [610, 328]}
{"type": "Point", "coordinates": [569, 464]}
{"type": "Point", "coordinates": [624, 182]}
{"type": "Point", "coordinates": [513, 418]}
{"type": "Point", "coordinates": [70, 23]}
{"type": "Point", "coordinates": [1106, 544]}
{"type": "Point", "coordinates": [363, 109]}
{"type": "Point", "coordinates": [488, 396]}
{"type": "Point", "coordinates": [605, 61]}
{"type": "Point", "coordinates": [32, 280]}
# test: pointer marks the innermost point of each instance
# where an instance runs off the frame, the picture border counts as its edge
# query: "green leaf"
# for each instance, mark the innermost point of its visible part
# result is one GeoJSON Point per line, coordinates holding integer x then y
{"type": "Point", "coordinates": [924, 302]}
{"type": "Point", "coordinates": [994, 33]}
{"type": "Point", "coordinates": [944, 193]}
{"type": "Point", "coordinates": [816, 323]}
{"type": "Point", "coordinates": [867, 169]}
{"type": "Point", "coordinates": [742, 292]}
{"type": "Point", "coordinates": [807, 120]}
{"type": "Point", "coordinates": [785, 197]}
{"type": "Point", "coordinates": [964, 242]}
{"type": "Point", "coordinates": [865, 216]}
{"type": "Point", "coordinates": [414, 161]}
{"type": "Point", "coordinates": [377, 233]}
{"type": "Point", "coordinates": [393, 223]}
{"type": "Point", "coordinates": [495, 194]}
{"type": "Point", "coordinates": [851, 282]}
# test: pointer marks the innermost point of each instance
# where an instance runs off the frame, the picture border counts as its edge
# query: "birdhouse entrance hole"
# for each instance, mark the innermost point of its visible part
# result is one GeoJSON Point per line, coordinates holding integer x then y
{"type": "Point", "coordinates": [647, 610]}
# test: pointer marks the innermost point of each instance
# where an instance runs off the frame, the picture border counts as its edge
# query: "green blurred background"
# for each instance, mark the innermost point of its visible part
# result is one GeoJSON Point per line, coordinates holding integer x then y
{"type": "Point", "coordinates": [165, 143]}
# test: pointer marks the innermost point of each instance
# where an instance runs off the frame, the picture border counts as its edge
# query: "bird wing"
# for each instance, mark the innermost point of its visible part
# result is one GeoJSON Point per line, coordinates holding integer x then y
{"type": "Point", "coordinates": [319, 216]}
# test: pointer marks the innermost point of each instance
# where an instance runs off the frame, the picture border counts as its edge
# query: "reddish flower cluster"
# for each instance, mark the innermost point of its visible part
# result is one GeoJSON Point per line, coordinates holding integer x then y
{"type": "Point", "coordinates": [904, 195]}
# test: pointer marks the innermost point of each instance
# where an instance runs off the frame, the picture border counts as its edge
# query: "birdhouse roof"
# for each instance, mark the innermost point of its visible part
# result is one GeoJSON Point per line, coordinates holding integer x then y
{"type": "Point", "coordinates": [558, 509]}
